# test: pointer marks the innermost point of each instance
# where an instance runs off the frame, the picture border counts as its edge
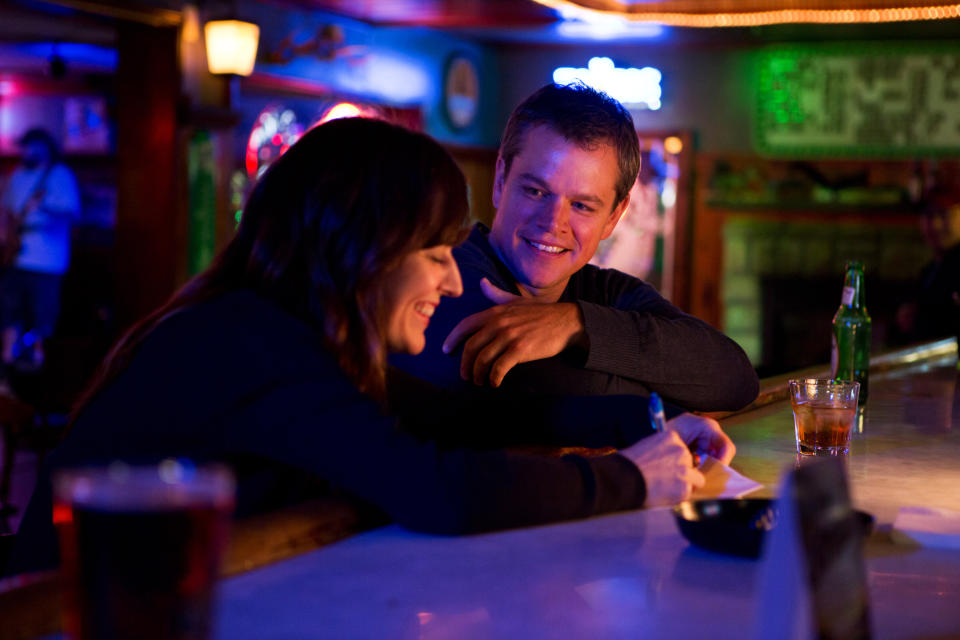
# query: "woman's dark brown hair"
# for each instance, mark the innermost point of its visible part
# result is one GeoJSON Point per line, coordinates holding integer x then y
{"type": "Point", "coordinates": [327, 220]}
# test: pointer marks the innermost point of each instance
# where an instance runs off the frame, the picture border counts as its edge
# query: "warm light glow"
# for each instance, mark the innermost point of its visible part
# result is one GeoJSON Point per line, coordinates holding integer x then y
{"type": "Point", "coordinates": [62, 513]}
{"type": "Point", "coordinates": [231, 46]}
{"type": "Point", "coordinates": [668, 196]}
{"type": "Point", "coordinates": [673, 145]}
{"type": "Point", "coordinates": [190, 29]}
{"type": "Point", "coordinates": [341, 110]}
{"type": "Point", "coordinates": [759, 18]}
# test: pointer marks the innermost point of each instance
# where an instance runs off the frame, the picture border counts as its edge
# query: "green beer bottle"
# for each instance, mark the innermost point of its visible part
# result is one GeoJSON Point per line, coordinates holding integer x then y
{"type": "Point", "coordinates": [850, 356]}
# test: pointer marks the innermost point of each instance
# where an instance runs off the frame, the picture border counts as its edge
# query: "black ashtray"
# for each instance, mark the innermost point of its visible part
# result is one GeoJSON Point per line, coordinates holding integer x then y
{"type": "Point", "coordinates": [735, 527]}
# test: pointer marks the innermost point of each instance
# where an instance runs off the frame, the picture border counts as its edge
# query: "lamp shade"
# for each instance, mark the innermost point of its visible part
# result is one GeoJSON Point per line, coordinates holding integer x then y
{"type": "Point", "coordinates": [231, 46]}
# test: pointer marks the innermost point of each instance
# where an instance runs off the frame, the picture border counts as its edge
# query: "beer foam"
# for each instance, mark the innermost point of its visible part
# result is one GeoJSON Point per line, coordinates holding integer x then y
{"type": "Point", "coordinates": [171, 484]}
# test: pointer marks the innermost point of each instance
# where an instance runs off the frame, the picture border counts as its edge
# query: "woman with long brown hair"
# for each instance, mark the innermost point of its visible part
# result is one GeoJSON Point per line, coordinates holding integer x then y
{"type": "Point", "coordinates": [275, 357]}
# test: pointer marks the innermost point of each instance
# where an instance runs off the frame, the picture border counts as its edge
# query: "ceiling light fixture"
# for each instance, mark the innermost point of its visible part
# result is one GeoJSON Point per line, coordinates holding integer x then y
{"type": "Point", "coordinates": [231, 46]}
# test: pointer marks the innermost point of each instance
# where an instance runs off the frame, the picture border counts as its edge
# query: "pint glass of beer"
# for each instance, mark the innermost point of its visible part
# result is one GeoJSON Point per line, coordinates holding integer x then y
{"type": "Point", "coordinates": [141, 548]}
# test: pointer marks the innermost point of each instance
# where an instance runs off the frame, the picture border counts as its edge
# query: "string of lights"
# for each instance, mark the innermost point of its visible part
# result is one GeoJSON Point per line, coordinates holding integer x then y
{"type": "Point", "coordinates": [637, 13]}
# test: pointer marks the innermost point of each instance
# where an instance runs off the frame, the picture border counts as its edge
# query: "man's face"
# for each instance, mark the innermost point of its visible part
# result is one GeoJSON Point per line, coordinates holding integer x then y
{"type": "Point", "coordinates": [553, 209]}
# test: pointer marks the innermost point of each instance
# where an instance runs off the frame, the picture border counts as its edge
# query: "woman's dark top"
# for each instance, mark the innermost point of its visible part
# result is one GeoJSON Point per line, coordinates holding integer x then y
{"type": "Point", "coordinates": [238, 378]}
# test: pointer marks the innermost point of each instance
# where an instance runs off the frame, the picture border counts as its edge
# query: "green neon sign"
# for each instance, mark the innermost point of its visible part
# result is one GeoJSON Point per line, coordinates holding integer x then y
{"type": "Point", "coordinates": [858, 99]}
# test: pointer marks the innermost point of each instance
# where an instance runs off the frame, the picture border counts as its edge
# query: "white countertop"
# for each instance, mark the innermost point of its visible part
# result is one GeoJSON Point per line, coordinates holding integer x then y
{"type": "Point", "coordinates": [629, 575]}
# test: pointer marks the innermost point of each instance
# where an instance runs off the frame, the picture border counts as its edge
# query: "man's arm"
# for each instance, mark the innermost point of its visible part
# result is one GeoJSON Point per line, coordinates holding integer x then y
{"type": "Point", "coordinates": [641, 336]}
{"type": "Point", "coordinates": [638, 335]}
{"type": "Point", "coordinates": [513, 331]}
{"type": "Point", "coordinates": [612, 310]}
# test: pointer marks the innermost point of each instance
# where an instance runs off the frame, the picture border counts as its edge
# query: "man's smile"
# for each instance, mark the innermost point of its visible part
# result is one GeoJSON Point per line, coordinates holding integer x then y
{"type": "Point", "coordinates": [546, 248]}
{"type": "Point", "coordinates": [554, 206]}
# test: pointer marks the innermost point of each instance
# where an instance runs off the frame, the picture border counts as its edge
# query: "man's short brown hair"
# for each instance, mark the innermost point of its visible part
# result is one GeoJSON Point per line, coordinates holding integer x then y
{"type": "Point", "coordinates": [582, 115]}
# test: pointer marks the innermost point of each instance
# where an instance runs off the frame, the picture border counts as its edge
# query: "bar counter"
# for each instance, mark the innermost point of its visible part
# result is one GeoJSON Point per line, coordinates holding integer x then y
{"type": "Point", "coordinates": [632, 574]}
{"type": "Point", "coordinates": [626, 575]}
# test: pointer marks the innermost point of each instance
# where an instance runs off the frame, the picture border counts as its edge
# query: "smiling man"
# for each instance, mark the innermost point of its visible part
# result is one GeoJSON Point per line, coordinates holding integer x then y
{"type": "Point", "coordinates": [535, 316]}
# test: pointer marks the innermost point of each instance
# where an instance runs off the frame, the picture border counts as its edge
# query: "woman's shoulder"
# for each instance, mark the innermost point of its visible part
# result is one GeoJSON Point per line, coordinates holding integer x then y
{"type": "Point", "coordinates": [203, 359]}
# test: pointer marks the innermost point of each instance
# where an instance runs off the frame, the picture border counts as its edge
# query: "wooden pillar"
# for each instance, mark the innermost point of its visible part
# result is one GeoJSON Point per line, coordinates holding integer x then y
{"type": "Point", "coordinates": [150, 228]}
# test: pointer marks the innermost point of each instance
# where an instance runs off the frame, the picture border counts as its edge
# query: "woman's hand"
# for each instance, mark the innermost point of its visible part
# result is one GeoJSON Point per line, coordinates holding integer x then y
{"type": "Point", "coordinates": [703, 435]}
{"type": "Point", "coordinates": [667, 468]}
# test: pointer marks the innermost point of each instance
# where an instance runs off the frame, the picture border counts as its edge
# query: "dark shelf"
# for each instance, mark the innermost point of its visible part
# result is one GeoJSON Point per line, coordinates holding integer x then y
{"type": "Point", "coordinates": [900, 208]}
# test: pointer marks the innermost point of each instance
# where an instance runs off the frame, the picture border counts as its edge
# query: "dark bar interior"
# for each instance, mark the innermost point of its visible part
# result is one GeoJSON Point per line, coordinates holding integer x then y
{"type": "Point", "coordinates": [325, 318]}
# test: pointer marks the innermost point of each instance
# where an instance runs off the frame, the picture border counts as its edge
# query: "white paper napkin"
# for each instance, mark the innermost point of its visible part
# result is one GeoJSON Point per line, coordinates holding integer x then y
{"type": "Point", "coordinates": [722, 481]}
{"type": "Point", "coordinates": [927, 526]}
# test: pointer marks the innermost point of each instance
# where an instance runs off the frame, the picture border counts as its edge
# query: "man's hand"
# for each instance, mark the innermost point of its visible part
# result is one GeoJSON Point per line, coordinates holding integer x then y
{"type": "Point", "coordinates": [667, 468]}
{"type": "Point", "coordinates": [703, 435]}
{"type": "Point", "coordinates": [516, 330]}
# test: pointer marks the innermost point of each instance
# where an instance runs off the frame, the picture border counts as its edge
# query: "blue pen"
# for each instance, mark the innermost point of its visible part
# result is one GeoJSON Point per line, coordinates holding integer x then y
{"type": "Point", "coordinates": [657, 419]}
{"type": "Point", "coordinates": [659, 423]}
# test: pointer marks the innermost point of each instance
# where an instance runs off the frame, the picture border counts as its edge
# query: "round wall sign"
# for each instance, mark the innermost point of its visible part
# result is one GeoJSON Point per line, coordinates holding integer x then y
{"type": "Point", "coordinates": [461, 91]}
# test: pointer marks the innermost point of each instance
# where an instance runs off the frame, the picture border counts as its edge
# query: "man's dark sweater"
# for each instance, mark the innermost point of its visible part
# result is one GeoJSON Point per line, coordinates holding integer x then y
{"type": "Point", "coordinates": [238, 378]}
{"type": "Point", "coordinates": [638, 342]}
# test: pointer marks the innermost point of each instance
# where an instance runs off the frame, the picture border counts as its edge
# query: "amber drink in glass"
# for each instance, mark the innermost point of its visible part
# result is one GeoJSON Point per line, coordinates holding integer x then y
{"type": "Point", "coordinates": [141, 549]}
{"type": "Point", "coordinates": [823, 414]}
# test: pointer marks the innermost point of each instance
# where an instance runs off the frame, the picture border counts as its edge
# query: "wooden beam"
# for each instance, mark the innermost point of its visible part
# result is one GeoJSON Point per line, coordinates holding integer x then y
{"type": "Point", "coordinates": [150, 229]}
{"type": "Point", "coordinates": [122, 10]}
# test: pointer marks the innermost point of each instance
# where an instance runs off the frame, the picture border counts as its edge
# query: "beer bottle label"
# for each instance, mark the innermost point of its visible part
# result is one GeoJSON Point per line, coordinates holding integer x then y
{"type": "Point", "coordinates": [847, 297]}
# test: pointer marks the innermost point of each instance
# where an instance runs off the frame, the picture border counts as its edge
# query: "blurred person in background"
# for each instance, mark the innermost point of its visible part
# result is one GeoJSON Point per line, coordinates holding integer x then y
{"type": "Point", "coordinates": [934, 310]}
{"type": "Point", "coordinates": [40, 202]}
